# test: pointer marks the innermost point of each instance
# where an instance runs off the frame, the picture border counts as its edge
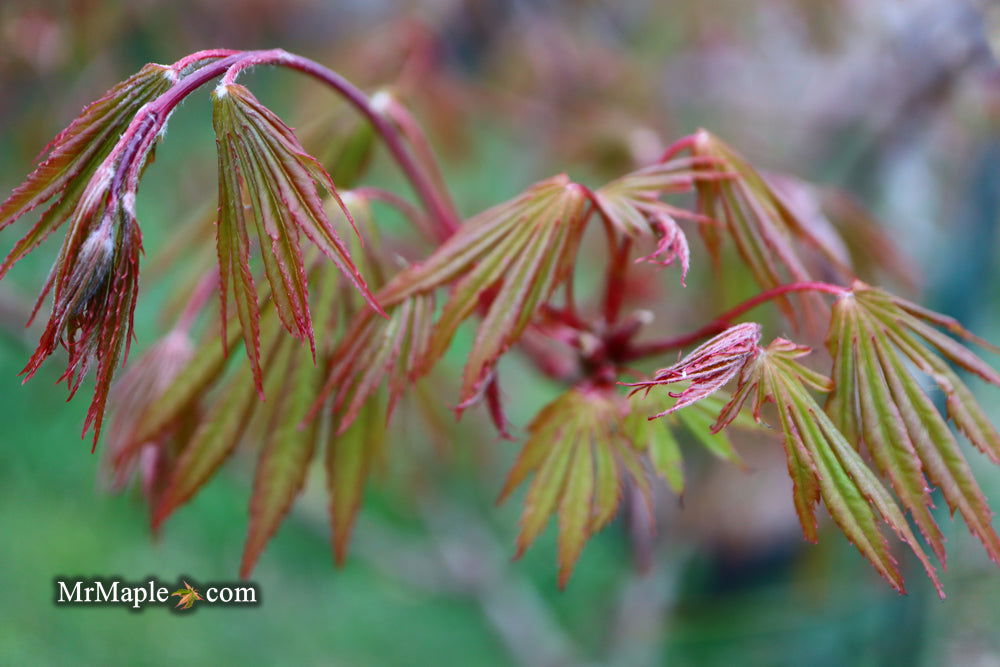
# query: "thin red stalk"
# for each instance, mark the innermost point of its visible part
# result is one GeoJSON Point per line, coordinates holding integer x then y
{"type": "Point", "coordinates": [141, 132]}
{"type": "Point", "coordinates": [198, 56]}
{"type": "Point", "coordinates": [433, 200]}
{"type": "Point", "coordinates": [614, 294]}
{"type": "Point", "coordinates": [409, 211]}
{"type": "Point", "coordinates": [724, 320]}
{"type": "Point", "coordinates": [414, 134]}
{"type": "Point", "coordinates": [681, 144]}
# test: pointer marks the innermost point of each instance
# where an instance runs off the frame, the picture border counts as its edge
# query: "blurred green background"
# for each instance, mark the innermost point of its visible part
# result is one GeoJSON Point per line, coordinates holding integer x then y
{"type": "Point", "coordinates": [897, 103]}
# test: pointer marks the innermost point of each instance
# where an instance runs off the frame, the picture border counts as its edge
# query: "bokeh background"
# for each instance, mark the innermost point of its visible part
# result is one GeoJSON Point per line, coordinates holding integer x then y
{"type": "Point", "coordinates": [896, 104]}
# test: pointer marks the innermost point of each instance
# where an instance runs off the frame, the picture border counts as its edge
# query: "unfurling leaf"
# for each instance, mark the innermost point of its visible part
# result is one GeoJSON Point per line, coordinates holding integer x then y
{"type": "Point", "coordinates": [708, 367]}
{"type": "Point", "coordinates": [877, 398]}
{"type": "Point", "coordinates": [94, 284]}
{"type": "Point", "coordinates": [95, 278]}
{"type": "Point", "coordinates": [268, 184]}
{"type": "Point", "coordinates": [632, 205]}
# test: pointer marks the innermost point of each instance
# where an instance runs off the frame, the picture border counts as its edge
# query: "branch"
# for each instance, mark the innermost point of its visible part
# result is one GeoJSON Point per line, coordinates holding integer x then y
{"type": "Point", "coordinates": [148, 123]}
{"type": "Point", "coordinates": [724, 320]}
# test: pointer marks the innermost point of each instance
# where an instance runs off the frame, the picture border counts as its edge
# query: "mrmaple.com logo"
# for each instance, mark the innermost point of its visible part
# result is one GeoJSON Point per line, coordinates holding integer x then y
{"type": "Point", "coordinates": [136, 595]}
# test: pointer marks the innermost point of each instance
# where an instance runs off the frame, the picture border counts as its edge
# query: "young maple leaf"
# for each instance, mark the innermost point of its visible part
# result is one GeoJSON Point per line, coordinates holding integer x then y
{"type": "Point", "coordinates": [268, 188]}
{"type": "Point", "coordinates": [822, 463]}
{"type": "Point", "coordinates": [95, 279]}
{"type": "Point", "coordinates": [879, 401]}
{"type": "Point", "coordinates": [632, 205]}
{"type": "Point", "coordinates": [504, 264]}
{"type": "Point", "coordinates": [708, 367]}
{"type": "Point", "coordinates": [188, 595]}
{"type": "Point", "coordinates": [768, 235]}
{"type": "Point", "coordinates": [578, 460]}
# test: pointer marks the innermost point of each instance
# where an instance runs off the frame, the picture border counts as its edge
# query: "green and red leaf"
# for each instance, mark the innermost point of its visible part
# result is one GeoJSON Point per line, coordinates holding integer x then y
{"type": "Point", "coordinates": [878, 397]}
{"type": "Point", "coordinates": [503, 263]}
{"type": "Point", "coordinates": [75, 154]}
{"type": "Point", "coordinates": [632, 205]}
{"type": "Point", "coordinates": [268, 183]}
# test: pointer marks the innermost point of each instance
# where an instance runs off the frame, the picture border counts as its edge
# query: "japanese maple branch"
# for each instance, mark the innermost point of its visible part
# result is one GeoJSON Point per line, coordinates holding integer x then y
{"type": "Point", "coordinates": [725, 319]}
{"type": "Point", "coordinates": [138, 138]}
{"type": "Point", "coordinates": [436, 202]}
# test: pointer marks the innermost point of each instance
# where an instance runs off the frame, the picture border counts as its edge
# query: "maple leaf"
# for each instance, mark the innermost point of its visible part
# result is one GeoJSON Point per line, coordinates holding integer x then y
{"type": "Point", "coordinates": [821, 461]}
{"type": "Point", "coordinates": [765, 230]}
{"type": "Point", "coordinates": [632, 205]}
{"type": "Point", "coordinates": [577, 458]}
{"type": "Point", "coordinates": [540, 229]}
{"type": "Point", "coordinates": [197, 418]}
{"type": "Point", "coordinates": [268, 182]}
{"type": "Point", "coordinates": [188, 596]}
{"type": "Point", "coordinates": [584, 446]}
{"type": "Point", "coordinates": [708, 367]}
{"type": "Point", "coordinates": [878, 401]}
{"type": "Point", "coordinates": [505, 263]}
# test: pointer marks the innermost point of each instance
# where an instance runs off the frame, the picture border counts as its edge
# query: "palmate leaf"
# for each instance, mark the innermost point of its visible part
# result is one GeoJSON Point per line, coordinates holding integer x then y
{"type": "Point", "coordinates": [584, 445]}
{"type": "Point", "coordinates": [219, 430]}
{"type": "Point", "coordinates": [577, 456]}
{"type": "Point", "coordinates": [268, 182]}
{"type": "Point", "coordinates": [877, 398]}
{"type": "Point", "coordinates": [290, 439]}
{"type": "Point", "coordinates": [821, 462]}
{"type": "Point", "coordinates": [505, 263]}
{"type": "Point", "coordinates": [224, 410]}
{"type": "Point", "coordinates": [632, 205]}
{"type": "Point", "coordinates": [376, 349]}
{"type": "Point", "coordinates": [763, 228]}
{"type": "Point", "coordinates": [74, 155]}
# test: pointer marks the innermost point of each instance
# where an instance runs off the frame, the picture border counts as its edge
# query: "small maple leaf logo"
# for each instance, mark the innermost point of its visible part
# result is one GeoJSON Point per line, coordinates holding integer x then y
{"type": "Point", "coordinates": [188, 595]}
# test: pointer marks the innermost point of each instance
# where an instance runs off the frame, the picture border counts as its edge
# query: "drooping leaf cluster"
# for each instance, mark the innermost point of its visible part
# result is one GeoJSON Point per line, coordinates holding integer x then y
{"type": "Point", "coordinates": [584, 446]}
{"type": "Point", "coordinates": [96, 275]}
